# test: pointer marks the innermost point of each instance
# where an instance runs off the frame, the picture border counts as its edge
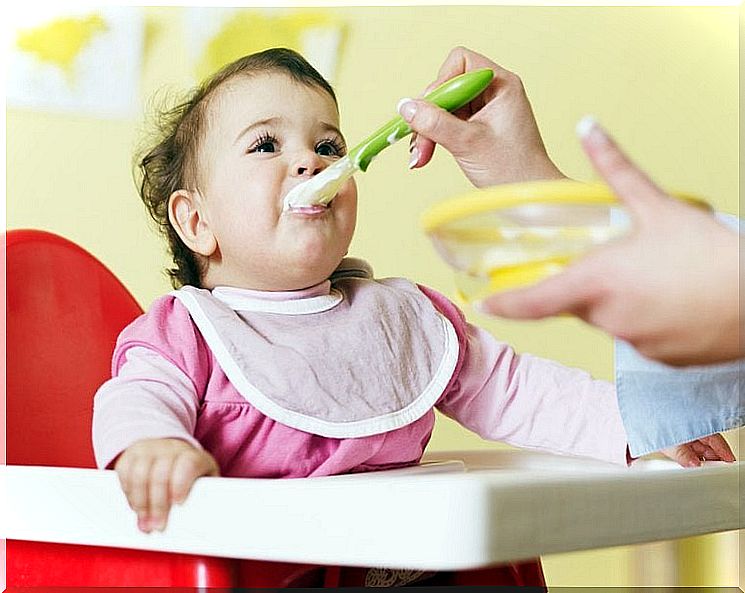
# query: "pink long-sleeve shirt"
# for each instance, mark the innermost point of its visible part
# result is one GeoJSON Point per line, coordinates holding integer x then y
{"type": "Point", "coordinates": [168, 383]}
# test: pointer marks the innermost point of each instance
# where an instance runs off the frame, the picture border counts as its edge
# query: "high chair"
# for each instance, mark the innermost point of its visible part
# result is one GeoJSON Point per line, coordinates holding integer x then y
{"type": "Point", "coordinates": [461, 513]}
{"type": "Point", "coordinates": [65, 310]}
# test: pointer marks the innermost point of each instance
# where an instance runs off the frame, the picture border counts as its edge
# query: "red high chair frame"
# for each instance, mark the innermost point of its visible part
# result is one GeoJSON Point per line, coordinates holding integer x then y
{"type": "Point", "coordinates": [64, 311]}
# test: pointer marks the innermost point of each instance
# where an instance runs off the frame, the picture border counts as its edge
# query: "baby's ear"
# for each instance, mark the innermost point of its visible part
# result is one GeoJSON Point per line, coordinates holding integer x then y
{"type": "Point", "coordinates": [187, 216]}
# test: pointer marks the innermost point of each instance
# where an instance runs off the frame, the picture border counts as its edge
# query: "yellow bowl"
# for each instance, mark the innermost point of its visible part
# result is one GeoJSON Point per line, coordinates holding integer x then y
{"type": "Point", "coordinates": [514, 235]}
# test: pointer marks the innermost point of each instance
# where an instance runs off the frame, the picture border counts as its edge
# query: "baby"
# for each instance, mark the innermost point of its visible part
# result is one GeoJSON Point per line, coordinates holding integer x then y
{"type": "Point", "coordinates": [277, 357]}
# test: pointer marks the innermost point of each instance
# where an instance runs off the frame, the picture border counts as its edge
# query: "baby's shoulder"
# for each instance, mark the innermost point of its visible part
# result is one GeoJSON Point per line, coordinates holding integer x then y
{"type": "Point", "coordinates": [433, 298]}
{"type": "Point", "coordinates": [166, 328]}
{"type": "Point", "coordinates": [166, 318]}
{"type": "Point", "coordinates": [438, 300]}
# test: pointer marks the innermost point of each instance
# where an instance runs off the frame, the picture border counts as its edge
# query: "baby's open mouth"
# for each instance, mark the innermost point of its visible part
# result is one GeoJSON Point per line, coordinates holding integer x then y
{"type": "Point", "coordinates": [322, 188]}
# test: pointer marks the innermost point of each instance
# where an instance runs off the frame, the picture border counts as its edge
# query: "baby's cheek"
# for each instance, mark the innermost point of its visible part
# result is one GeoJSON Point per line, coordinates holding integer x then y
{"type": "Point", "coordinates": [347, 193]}
{"type": "Point", "coordinates": [352, 183]}
{"type": "Point", "coordinates": [349, 204]}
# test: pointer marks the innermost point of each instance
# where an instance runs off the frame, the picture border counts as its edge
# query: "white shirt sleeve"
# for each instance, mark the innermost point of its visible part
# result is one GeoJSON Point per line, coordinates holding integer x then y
{"type": "Point", "coordinates": [150, 398]}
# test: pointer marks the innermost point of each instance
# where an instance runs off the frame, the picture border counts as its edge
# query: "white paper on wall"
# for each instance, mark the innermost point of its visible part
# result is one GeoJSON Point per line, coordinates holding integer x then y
{"type": "Point", "coordinates": [85, 60]}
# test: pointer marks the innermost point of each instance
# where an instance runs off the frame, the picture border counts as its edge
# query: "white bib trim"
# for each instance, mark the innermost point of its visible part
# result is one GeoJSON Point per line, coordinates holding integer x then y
{"type": "Point", "coordinates": [352, 429]}
{"type": "Point", "coordinates": [305, 306]}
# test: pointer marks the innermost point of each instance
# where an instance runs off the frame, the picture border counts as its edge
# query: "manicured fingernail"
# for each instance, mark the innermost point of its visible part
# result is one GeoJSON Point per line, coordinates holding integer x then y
{"type": "Point", "coordinates": [407, 108]}
{"type": "Point", "coordinates": [588, 128]}
{"type": "Point", "coordinates": [585, 125]}
{"type": "Point", "coordinates": [414, 158]}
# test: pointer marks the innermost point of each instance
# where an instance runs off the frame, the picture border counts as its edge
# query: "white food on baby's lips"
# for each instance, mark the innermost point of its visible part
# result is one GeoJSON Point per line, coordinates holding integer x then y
{"type": "Point", "coordinates": [322, 188]}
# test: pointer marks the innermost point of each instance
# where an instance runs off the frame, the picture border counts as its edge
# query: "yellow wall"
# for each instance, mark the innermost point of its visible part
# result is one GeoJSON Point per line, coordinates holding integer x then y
{"type": "Point", "coordinates": [664, 80]}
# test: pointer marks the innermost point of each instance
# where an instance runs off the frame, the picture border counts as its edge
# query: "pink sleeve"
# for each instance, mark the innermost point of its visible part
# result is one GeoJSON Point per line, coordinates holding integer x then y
{"type": "Point", "coordinates": [167, 329]}
{"type": "Point", "coordinates": [528, 401]}
{"type": "Point", "coordinates": [149, 398]}
{"type": "Point", "coordinates": [160, 369]}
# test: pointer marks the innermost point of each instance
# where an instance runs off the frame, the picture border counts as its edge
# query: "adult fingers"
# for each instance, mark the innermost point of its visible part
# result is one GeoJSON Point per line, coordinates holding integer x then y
{"type": "Point", "coordinates": [422, 147]}
{"type": "Point", "coordinates": [630, 183]}
{"type": "Point", "coordinates": [461, 60]}
{"type": "Point", "coordinates": [436, 124]}
{"type": "Point", "coordinates": [421, 150]}
{"type": "Point", "coordinates": [707, 453]}
{"type": "Point", "coordinates": [684, 455]}
{"type": "Point", "coordinates": [458, 61]}
{"type": "Point", "coordinates": [719, 446]}
{"type": "Point", "coordinates": [570, 291]}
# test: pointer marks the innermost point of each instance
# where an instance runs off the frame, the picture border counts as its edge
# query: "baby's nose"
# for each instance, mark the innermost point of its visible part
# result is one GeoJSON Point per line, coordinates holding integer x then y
{"type": "Point", "coordinates": [309, 164]}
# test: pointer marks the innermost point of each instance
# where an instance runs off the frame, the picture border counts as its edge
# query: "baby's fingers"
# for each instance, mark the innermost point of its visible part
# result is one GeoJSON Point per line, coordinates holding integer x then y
{"type": "Point", "coordinates": [159, 494]}
{"type": "Point", "coordinates": [187, 468]}
{"type": "Point", "coordinates": [134, 476]}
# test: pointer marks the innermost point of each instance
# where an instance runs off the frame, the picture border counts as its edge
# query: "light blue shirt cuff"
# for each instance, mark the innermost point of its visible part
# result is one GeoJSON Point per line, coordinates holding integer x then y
{"type": "Point", "coordinates": [662, 406]}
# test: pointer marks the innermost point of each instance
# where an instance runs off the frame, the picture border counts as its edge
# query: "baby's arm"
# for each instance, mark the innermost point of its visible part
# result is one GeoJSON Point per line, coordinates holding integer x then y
{"type": "Point", "coordinates": [534, 403]}
{"type": "Point", "coordinates": [143, 425]}
{"type": "Point", "coordinates": [539, 404]}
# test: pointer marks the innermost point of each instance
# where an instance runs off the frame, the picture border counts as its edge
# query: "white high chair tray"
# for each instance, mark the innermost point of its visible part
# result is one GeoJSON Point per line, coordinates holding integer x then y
{"type": "Point", "coordinates": [481, 508]}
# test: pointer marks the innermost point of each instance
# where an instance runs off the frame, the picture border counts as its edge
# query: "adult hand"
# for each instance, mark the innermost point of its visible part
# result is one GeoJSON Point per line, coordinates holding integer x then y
{"type": "Point", "coordinates": [670, 287]}
{"type": "Point", "coordinates": [693, 454]}
{"type": "Point", "coordinates": [494, 138]}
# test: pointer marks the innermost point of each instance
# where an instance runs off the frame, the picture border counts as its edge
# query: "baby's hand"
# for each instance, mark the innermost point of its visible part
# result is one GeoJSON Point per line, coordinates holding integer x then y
{"type": "Point", "coordinates": [156, 473]}
{"type": "Point", "coordinates": [711, 448]}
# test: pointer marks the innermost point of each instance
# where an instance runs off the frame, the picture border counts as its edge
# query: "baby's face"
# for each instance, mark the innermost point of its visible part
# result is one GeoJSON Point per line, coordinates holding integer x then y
{"type": "Point", "coordinates": [266, 134]}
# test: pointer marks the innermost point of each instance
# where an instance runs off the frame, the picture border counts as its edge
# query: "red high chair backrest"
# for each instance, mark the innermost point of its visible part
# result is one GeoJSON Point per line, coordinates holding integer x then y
{"type": "Point", "coordinates": [64, 310]}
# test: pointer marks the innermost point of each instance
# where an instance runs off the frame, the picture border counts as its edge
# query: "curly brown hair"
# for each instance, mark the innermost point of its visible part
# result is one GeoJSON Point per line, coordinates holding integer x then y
{"type": "Point", "coordinates": [172, 161]}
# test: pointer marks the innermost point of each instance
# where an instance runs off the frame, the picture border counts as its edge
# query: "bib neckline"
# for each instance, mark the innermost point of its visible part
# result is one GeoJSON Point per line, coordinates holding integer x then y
{"type": "Point", "coordinates": [314, 299]}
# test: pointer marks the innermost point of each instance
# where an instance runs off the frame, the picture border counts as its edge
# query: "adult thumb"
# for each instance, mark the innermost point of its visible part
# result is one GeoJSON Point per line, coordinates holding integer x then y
{"type": "Point", "coordinates": [435, 123]}
{"type": "Point", "coordinates": [633, 187]}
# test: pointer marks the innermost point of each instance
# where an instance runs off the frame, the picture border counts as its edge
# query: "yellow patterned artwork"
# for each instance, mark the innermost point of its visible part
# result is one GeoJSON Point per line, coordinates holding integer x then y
{"type": "Point", "coordinates": [61, 40]}
{"type": "Point", "coordinates": [317, 34]}
{"type": "Point", "coordinates": [84, 62]}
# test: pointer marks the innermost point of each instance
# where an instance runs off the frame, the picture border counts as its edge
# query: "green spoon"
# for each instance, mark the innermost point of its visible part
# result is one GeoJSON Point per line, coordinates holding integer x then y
{"type": "Point", "coordinates": [322, 188]}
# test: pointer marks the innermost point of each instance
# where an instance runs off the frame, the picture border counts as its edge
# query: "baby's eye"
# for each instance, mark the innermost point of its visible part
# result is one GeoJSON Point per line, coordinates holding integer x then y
{"type": "Point", "coordinates": [329, 148]}
{"type": "Point", "coordinates": [265, 143]}
{"type": "Point", "coordinates": [265, 147]}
